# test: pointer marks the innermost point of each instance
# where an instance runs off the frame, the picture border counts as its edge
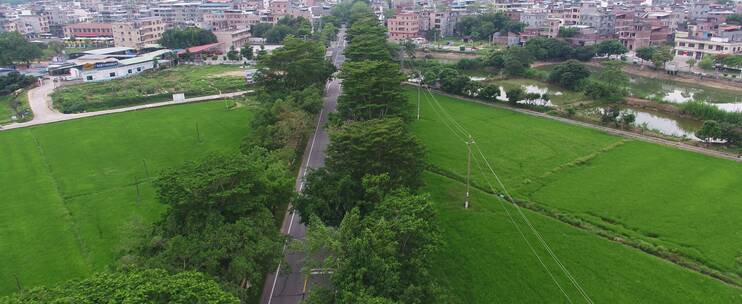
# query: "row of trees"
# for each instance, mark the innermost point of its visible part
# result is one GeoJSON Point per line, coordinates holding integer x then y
{"type": "Point", "coordinates": [181, 38]}
{"type": "Point", "coordinates": [482, 27]}
{"type": "Point", "coordinates": [363, 208]}
{"type": "Point", "coordinates": [288, 25]}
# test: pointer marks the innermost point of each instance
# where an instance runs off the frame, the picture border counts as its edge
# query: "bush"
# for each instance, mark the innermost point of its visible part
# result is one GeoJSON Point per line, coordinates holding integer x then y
{"type": "Point", "coordinates": [706, 111]}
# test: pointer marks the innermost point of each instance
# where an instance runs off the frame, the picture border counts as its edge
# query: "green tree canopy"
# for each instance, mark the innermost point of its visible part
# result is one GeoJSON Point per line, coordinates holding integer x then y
{"type": "Point", "coordinates": [132, 286]}
{"type": "Point", "coordinates": [569, 74]}
{"type": "Point", "coordinates": [380, 257]}
{"type": "Point", "coordinates": [371, 89]}
{"type": "Point", "coordinates": [296, 65]}
{"type": "Point", "coordinates": [611, 47]}
{"type": "Point", "coordinates": [483, 26]}
{"type": "Point", "coordinates": [364, 159]}
{"type": "Point", "coordinates": [220, 219]}
{"type": "Point", "coordinates": [181, 38]}
{"type": "Point", "coordinates": [14, 48]}
{"type": "Point", "coordinates": [517, 60]}
{"type": "Point", "coordinates": [367, 41]}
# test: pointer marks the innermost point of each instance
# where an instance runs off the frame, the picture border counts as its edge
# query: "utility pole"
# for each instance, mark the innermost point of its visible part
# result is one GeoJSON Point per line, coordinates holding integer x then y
{"type": "Point", "coordinates": [468, 170]}
{"type": "Point", "coordinates": [419, 84]}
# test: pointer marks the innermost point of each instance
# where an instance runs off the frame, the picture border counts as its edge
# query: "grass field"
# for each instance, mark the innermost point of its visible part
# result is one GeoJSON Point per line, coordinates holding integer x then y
{"type": "Point", "coordinates": [74, 192]}
{"type": "Point", "coordinates": [679, 200]}
{"type": "Point", "coordinates": [485, 260]}
{"type": "Point", "coordinates": [148, 87]}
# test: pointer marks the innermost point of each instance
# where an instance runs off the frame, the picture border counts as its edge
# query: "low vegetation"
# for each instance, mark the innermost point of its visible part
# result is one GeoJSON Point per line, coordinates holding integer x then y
{"type": "Point", "coordinates": [154, 86]}
{"type": "Point", "coordinates": [76, 194]}
{"type": "Point", "coordinates": [629, 190]}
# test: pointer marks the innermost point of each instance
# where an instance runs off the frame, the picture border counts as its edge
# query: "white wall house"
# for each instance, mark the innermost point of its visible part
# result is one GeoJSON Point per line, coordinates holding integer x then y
{"type": "Point", "coordinates": [115, 68]}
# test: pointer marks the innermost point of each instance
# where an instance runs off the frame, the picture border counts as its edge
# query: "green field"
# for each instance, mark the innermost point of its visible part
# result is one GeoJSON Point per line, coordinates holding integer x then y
{"type": "Point", "coordinates": [679, 200]}
{"type": "Point", "coordinates": [149, 87]}
{"type": "Point", "coordinates": [74, 192]}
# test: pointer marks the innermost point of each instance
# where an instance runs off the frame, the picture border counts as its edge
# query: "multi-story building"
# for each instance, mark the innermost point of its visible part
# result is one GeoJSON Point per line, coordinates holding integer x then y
{"type": "Point", "coordinates": [229, 20]}
{"type": "Point", "coordinates": [88, 29]}
{"type": "Point", "coordinates": [33, 25]}
{"type": "Point", "coordinates": [402, 26]}
{"type": "Point", "coordinates": [601, 20]}
{"type": "Point", "coordinates": [136, 34]}
{"type": "Point", "coordinates": [726, 40]}
{"type": "Point", "coordinates": [279, 8]}
{"type": "Point", "coordinates": [233, 38]}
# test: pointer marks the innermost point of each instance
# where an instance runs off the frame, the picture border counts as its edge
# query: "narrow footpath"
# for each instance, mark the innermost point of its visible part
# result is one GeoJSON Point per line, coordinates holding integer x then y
{"type": "Point", "coordinates": [39, 100]}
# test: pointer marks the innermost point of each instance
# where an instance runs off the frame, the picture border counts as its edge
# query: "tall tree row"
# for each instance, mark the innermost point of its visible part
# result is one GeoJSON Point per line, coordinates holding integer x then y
{"type": "Point", "coordinates": [363, 207]}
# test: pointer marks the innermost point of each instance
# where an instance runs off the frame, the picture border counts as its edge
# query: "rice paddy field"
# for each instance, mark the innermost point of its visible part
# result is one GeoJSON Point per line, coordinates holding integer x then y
{"type": "Point", "coordinates": [149, 87]}
{"type": "Point", "coordinates": [74, 193]}
{"type": "Point", "coordinates": [681, 202]}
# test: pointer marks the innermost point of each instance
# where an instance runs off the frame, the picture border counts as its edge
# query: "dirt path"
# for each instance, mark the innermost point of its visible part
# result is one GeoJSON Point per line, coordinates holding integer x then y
{"type": "Point", "coordinates": [627, 134]}
{"type": "Point", "coordinates": [240, 73]}
{"type": "Point", "coordinates": [40, 101]}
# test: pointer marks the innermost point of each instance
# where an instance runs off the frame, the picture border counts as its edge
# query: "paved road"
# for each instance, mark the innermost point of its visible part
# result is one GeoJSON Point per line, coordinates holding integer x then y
{"type": "Point", "coordinates": [627, 134]}
{"type": "Point", "coordinates": [40, 102]}
{"type": "Point", "coordinates": [290, 286]}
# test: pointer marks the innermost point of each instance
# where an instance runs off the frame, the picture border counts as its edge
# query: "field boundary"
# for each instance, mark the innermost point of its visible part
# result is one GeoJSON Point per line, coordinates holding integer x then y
{"type": "Point", "coordinates": [622, 133]}
{"type": "Point", "coordinates": [608, 233]}
{"type": "Point", "coordinates": [68, 214]}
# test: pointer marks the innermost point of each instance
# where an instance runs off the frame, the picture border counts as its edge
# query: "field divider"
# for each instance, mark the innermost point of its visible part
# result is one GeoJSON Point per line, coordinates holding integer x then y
{"type": "Point", "coordinates": [647, 246]}
{"type": "Point", "coordinates": [68, 214]}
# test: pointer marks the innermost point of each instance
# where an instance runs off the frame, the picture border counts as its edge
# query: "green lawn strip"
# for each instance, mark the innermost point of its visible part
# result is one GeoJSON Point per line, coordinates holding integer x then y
{"type": "Point", "coordinates": [72, 215]}
{"type": "Point", "coordinates": [38, 240]}
{"type": "Point", "coordinates": [5, 110]}
{"type": "Point", "coordinates": [485, 260]}
{"type": "Point", "coordinates": [148, 87]}
{"type": "Point", "coordinates": [689, 203]}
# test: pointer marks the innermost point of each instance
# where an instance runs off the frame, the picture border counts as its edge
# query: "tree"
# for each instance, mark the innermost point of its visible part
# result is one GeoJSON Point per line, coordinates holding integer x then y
{"type": "Point", "coordinates": [517, 60]}
{"type": "Point", "coordinates": [367, 41]}
{"type": "Point", "coordinates": [328, 34]}
{"type": "Point", "coordinates": [691, 62]}
{"type": "Point", "coordinates": [646, 53]}
{"type": "Point", "coordinates": [296, 65]}
{"type": "Point", "coordinates": [220, 219]}
{"type": "Point", "coordinates": [568, 32]}
{"type": "Point", "coordinates": [233, 54]}
{"type": "Point", "coordinates": [380, 257]}
{"type": "Point", "coordinates": [14, 81]}
{"type": "Point", "coordinates": [365, 160]}
{"type": "Point", "coordinates": [611, 47]}
{"type": "Point", "coordinates": [584, 53]}
{"type": "Point", "coordinates": [371, 89]}
{"type": "Point", "coordinates": [661, 56]}
{"type": "Point", "coordinates": [613, 74]}
{"type": "Point", "coordinates": [710, 130]}
{"type": "Point", "coordinates": [181, 38]}
{"type": "Point", "coordinates": [707, 63]}
{"type": "Point", "coordinates": [57, 47]}
{"type": "Point", "coordinates": [131, 286]}
{"type": "Point", "coordinates": [482, 27]}
{"type": "Point", "coordinates": [515, 95]}
{"type": "Point", "coordinates": [610, 114]}
{"type": "Point", "coordinates": [569, 74]}
{"type": "Point", "coordinates": [627, 119]}
{"type": "Point", "coordinates": [543, 48]}
{"type": "Point", "coordinates": [277, 33]}
{"type": "Point", "coordinates": [247, 52]}
{"type": "Point", "coordinates": [735, 19]}
{"type": "Point", "coordinates": [599, 90]}
{"type": "Point", "coordinates": [17, 49]}
{"type": "Point", "coordinates": [259, 30]}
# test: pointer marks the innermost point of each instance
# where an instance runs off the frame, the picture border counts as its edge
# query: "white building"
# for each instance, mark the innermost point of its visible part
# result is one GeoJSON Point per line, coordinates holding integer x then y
{"type": "Point", "coordinates": [100, 67]}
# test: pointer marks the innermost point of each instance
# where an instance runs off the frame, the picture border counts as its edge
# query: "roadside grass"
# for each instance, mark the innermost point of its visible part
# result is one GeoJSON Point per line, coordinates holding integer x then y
{"type": "Point", "coordinates": [7, 111]}
{"type": "Point", "coordinates": [148, 87]}
{"type": "Point", "coordinates": [76, 192]}
{"type": "Point", "coordinates": [485, 260]}
{"type": "Point", "coordinates": [680, 201]}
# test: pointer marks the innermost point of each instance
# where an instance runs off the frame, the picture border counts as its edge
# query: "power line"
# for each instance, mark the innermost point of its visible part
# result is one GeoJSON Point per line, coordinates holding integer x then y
{"type": "Point", "coordinates": [538, 235]}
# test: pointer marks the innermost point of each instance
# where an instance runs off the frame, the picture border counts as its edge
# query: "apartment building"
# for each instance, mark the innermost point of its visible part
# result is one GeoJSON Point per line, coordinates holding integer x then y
{"type": "Point", "coordinates": [602, 21]}
{"type": "Point", "coordinates": [135, 34]}
{"type": "Point", "coordinates": [725, 40]}
{"type": "Point", "coordinates": [403, 26]}
{"type": "Point", "coordinates": [233, 38]}
{"type": "Point", "coordinates": [89, 30]}
{"type": "Point", "coordinates": [229, 20]}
